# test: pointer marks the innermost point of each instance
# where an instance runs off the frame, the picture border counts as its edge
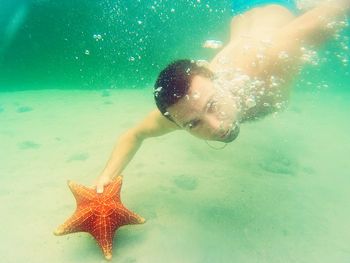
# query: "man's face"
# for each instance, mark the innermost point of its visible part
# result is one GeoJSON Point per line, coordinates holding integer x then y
{"type": "Point", "coordinates": [206, 112]}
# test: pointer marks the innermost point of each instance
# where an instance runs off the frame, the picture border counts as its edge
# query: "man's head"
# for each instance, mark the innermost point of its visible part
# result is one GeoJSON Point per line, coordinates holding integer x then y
{"type": "Point", "coordinates": [185, 93]}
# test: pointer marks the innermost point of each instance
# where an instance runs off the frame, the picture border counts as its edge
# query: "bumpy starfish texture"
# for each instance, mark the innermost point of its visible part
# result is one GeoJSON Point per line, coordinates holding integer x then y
{"type": "Point", "coordinates": [99, 214]}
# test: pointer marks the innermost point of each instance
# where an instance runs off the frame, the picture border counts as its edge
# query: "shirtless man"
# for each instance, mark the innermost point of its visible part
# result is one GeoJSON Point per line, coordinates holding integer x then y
{"type": "Point", "coordinates": [249, 78]}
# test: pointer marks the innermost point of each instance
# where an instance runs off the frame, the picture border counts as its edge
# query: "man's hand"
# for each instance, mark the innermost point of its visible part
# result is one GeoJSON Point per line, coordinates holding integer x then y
{"type": "Point", "coordinates": [101, 182]}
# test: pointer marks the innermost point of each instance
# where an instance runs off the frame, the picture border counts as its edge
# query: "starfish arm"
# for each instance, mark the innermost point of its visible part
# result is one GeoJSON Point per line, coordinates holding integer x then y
{"type": "Point", "coordinates": [113, 189]}
{"type": "Point", "coordinates": [78, 222]}
{"type": "Point", "coordinates": [126, 217]}
{"type": "Point", "coordinates": [103, 232]}
{"type": "Point", "coordinates": [81, 193]}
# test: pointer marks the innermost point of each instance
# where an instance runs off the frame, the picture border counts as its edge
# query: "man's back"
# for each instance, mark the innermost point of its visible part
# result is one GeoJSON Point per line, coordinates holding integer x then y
{"type": "Point", "coordinates": [265, 47]}
{"type": "Point", "coordinates": [249, 59]}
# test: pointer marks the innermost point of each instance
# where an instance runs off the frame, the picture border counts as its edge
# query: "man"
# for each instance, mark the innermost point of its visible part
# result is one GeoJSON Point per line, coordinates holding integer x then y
{"type": "Point", "coordinates": [249, 78]}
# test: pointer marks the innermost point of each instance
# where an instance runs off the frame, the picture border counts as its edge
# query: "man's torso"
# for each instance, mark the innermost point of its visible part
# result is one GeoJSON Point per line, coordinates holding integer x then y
{"type": "Point", "coordinates": [247, 59]}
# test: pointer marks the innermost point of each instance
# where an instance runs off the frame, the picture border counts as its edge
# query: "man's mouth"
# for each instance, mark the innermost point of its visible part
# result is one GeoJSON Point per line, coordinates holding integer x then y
{"type": "Point", "coordinates": [231, 134]}
{"type": "Point", "coordinates": [225, 134]}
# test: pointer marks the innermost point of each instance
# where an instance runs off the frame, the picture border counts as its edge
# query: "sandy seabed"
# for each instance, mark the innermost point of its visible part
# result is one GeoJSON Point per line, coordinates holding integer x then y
{"type": "Point", "coordinates": [280, 193]}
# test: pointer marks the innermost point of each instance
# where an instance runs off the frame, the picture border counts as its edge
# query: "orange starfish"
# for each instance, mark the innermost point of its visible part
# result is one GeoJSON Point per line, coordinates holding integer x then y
{"type": "Point", "coordinates": [99, 214]}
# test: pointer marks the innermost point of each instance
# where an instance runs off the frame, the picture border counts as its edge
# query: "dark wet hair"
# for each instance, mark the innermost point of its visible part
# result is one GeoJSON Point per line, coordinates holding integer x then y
{"type": "Point", "coordinates": [174, 82]}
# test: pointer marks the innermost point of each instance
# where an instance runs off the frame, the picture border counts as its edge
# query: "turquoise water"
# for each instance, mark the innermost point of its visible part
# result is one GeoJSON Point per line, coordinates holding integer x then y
{"type": "Point", "coordinates": [137, 39]}
{"type": "Point", "coordinates": [280, 193]}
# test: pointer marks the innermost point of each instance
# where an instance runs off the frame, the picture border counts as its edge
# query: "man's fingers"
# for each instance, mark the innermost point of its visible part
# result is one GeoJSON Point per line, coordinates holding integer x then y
{"type": "Point", "coordinates": [99, 189]}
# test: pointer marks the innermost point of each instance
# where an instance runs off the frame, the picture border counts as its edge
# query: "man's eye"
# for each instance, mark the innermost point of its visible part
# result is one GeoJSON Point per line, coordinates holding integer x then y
{"type": "Point", "coordinates": [193, 124]}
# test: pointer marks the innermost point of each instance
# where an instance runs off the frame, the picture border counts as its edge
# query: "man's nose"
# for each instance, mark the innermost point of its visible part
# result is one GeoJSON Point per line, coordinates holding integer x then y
{"type": "Point", "coordinates": [214, 123]}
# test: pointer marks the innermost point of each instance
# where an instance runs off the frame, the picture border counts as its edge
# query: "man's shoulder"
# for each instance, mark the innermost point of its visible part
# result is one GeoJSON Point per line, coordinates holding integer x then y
{"type": "Point", "coordinates": [154, 124]}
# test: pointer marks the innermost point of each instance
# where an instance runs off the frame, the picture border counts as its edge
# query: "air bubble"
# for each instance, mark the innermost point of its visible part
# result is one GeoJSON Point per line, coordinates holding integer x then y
{"type": "Point", "coordinates": [196, 96]}
{"type": "Point", "coordinates": [223, 60]}
{"type": "Point", "coordinates": [278, 105]}
{"type": "Point", "coordinates": [222, 114]}
{"type": "Point", "coordinates": [266, 42]}
{"type": "Point", "coordinates": [274, 82]}
{"type": "Point", "coordinates": [310, 56]}
{"type": "Point", "coordinates": [250, 103]}
{"type": "Point", "coordinates": [283, 55]}
{"type": "Point", "coordinates": [158, 89]}
{"type": "Point", "coordinates": [202, 63]}
{"type": "Point", "coordinates": [97, 37]}
{"type": "Point", "coordinates": [214, 44]}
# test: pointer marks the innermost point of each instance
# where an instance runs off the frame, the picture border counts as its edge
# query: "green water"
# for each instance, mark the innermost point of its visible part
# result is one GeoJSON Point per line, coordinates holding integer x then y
{"type": "Point", "coordinates": [138, 39]}
{"type": "Point", "coordinates": [280, 193]}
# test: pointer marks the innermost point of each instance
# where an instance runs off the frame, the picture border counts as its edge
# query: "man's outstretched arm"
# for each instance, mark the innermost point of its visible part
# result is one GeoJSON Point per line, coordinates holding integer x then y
{"type": "Point", "coordinates": [129, 142]}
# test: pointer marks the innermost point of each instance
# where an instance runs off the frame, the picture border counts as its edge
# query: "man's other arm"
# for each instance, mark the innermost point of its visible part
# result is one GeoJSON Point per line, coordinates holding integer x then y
{"type": "Point", "coordinates": [314, 27]}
